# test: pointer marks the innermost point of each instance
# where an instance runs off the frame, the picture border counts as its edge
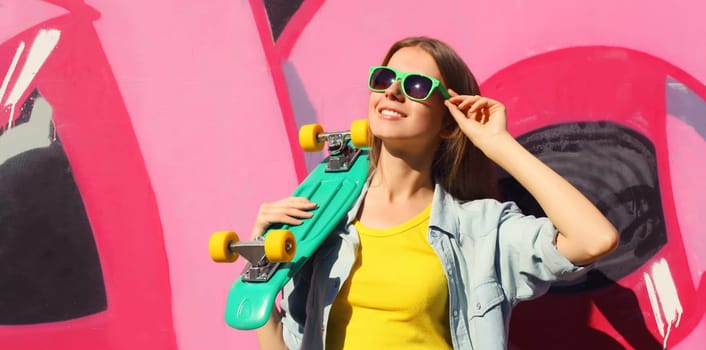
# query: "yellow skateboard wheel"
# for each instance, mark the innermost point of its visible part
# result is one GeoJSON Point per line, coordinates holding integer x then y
{"type": "Point", "coordinates": [280, 246]}
{"type": "Point", "coordinates": [308, 139]}
{"type": "Point", "coordinates": [219, 246]}
{"type": "Point", "coordinates": [360, 133]}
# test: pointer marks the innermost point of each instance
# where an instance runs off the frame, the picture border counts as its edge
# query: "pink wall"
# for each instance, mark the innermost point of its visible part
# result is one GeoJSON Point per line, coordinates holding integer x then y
{"type": "Point", "coordinates": [176, 120]}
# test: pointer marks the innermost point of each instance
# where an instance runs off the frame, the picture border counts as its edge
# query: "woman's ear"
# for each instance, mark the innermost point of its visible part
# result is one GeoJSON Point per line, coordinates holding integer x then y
{"type": "Point", "coordinates": [449, 130]}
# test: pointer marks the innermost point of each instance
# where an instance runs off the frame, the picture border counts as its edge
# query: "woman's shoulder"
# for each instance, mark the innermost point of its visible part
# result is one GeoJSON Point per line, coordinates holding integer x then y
{"type": "Point", "coordinates": [483, 206]}
{"type": "Point", "coordinates": [482, 214]}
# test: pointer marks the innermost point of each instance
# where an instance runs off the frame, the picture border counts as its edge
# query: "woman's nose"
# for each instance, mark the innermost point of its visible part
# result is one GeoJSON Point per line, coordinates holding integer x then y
{"type": "Point", "coordinates": [394, 91]}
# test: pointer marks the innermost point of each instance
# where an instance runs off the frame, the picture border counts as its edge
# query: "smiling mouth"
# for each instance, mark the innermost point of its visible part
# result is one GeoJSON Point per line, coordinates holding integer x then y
{"type": "Point", "coordinates": [390, 114]}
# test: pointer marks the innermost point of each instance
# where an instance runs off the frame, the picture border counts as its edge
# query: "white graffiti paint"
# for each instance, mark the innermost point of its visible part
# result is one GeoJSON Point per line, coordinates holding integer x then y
{"type": "Point", "coordinates": [8, 75]}
{"type": "Point", "coordinates": [36, 133]}
{"type": "Point", "coordinates": [664, 299]}
{"type": "Point", "coordinates": [42, 46]}
{"type": "Point", "coordinates": [11, 69]}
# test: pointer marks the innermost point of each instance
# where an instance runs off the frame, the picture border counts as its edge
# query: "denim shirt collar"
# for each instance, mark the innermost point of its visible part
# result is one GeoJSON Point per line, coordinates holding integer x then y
{"type": "Point", "coordinates": [442, 216]}
{"type": "Point", "coordinates": [353, 212]}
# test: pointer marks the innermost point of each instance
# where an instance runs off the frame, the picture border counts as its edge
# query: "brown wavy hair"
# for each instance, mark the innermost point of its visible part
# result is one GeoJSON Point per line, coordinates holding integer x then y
{"type": "Point", "coordinates": [458, 165]}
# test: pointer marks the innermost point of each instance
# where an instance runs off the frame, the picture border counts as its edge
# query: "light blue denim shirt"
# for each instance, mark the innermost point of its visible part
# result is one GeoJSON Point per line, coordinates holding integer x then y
{"type": "Point", "coordinates": [493, 256]}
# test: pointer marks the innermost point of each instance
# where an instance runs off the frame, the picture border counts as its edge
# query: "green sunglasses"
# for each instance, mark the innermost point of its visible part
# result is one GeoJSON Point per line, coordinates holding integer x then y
{"type": "Point", "coordinates": [416, 86]}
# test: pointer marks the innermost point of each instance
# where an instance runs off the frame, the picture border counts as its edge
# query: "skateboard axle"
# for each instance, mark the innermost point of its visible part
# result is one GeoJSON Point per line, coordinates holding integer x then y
{"type": "Point", "coordinates": [337, 140]}
{"type": "Point", "coordinates": [258, 268]}
{"type": "Point", "coordinates": [341, 153]}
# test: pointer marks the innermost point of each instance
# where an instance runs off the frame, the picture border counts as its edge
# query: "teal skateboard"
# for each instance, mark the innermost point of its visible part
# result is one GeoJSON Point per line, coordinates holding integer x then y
{"type": "Point", "coordinates": [275, 258]}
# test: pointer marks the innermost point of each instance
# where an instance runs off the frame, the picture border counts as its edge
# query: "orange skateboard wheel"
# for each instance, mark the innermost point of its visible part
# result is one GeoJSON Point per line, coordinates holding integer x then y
{"type": "Point", "coordinates": [280, 246]}
{"type": "Point", "coordinates": [360, 133]}
{"type": "Point", "coordinates": [219, 246]}
{"type": "Point", "coordinates": [308, 137]}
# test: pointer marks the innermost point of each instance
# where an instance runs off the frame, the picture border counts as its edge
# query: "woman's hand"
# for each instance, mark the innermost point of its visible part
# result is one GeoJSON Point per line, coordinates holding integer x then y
{"type": "Point", "coordinates": [480, 118]}
{"type": "Point", "coordinates": [286, 211]}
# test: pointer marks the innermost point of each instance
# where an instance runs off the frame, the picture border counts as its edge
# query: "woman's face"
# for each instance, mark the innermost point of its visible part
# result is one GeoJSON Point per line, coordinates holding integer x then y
{"type": "Point", "coordinates": [399, 121]}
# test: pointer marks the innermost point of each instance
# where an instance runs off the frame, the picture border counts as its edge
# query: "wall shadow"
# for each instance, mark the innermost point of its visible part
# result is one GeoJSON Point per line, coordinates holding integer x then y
{"type": "Point", "coordinates": [561, 321]}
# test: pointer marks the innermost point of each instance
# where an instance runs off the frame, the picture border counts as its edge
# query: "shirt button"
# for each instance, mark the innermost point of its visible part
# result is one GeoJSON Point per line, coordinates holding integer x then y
{"type": "Point", "coordinates": [434, 234]}
{"type": "Point", "coordinates": [455, 314]}
{"type": "Point", "coordinates": [322, 328]}
{"type": "Point", "coordinates": [477, 306]}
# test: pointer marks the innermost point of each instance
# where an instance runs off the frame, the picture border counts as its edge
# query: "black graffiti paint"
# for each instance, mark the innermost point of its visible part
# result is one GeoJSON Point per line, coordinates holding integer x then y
{"type": "Point", "coordinates": [615, 167]}
{"type": "Point", "coordinates": [49, 265]}
{"type": "Point", "coordinates": [279, 12]}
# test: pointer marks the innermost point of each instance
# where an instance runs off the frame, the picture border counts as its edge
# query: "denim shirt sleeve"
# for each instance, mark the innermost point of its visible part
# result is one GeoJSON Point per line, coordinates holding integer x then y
{"type": "Point", "coordinates": [528, 253]}
{"type": "Point", "coordinates": [293, 308]}
{"type": "Point", "coordinates": [308, 297]}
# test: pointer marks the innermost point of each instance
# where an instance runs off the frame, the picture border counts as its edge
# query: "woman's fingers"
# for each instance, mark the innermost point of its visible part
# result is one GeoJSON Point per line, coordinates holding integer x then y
{"type": "Point", "coordinates": [478, 117]}
{"type": "Point", "coordinates": [288, 211]}
{"type": "Point", "coordinates": [300, 203]}
{"type": "Point", "coordinates": [475, 107]}
{"type": "Point", "coordinates": [469, 107]}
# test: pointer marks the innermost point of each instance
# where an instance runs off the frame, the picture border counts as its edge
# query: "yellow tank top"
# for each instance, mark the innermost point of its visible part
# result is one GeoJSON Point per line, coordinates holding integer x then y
{"type": "Point", "coordinates": [396, 296]}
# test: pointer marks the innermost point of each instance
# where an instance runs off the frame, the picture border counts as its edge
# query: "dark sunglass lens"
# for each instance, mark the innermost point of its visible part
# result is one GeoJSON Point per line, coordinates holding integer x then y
{"type": "Point", "coordinates": [417, 86]}
{"type": "Point", "coordinates": [382, 78]}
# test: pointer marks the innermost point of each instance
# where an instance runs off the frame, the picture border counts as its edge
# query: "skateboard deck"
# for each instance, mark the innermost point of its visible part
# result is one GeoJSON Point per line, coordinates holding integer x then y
{"type": "Point", "coordinates": [252, 295]}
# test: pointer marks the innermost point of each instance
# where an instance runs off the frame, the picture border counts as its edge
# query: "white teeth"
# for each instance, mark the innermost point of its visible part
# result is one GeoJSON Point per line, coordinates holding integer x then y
{"type": "Point", "coordinates": [389, 113]}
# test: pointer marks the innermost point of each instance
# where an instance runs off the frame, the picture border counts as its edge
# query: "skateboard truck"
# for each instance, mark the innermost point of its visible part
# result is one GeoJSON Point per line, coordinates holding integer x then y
{"type": "Point", "coordinates": [341, 153]}
{"type": "Point", "coordinates": [264, 254]}
{"type": "Point", "coordinates": [343, 146]}
{"type": "Point", "coordinates": [258, 268]}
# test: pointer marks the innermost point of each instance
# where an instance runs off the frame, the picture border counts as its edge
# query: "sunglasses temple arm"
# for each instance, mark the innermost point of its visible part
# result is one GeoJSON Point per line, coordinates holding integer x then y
{"type": "Point", "coordinates": [444, 91]}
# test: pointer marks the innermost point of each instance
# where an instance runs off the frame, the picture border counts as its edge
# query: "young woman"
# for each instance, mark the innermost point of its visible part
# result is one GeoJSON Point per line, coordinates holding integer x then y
{"type": "Point", "coordinates": [427, 258]}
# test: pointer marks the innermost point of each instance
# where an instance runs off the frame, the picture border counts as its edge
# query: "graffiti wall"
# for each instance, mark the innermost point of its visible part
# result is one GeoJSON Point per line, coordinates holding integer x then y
{"type": "Point", "coordinates": [131, 130]}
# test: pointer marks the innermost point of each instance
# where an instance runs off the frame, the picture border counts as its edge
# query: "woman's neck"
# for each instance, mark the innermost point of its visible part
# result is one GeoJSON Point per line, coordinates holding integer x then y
{"type": "Point", "coordinates": [401, 177]}
{"type": "Point", "coordinates": [400, 189]}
